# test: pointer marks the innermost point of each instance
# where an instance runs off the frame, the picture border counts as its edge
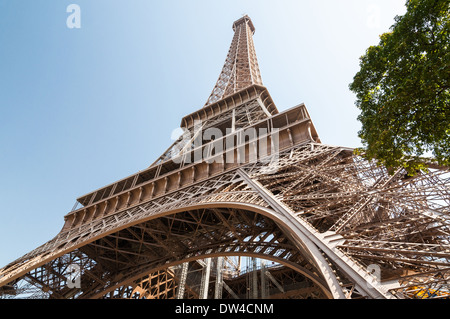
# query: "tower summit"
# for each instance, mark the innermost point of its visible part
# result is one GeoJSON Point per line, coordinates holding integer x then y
{"type": "Point", "coordinates": [241, 68]}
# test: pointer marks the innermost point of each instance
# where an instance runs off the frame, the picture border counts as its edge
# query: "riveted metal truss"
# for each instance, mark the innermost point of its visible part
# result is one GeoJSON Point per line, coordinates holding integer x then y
{"type": "Point", "coordinates": [386, 220]}
{"type": "Point", "coordinates": [241, 68]}
{"type": "Point", "coordinates": [318, 186]}
{"type": "Point", "coordinates": [288, 217]}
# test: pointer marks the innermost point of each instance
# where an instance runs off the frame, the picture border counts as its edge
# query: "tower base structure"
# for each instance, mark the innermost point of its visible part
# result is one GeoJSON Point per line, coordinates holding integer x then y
{"type": "Point", "coordinates": [249, 203]}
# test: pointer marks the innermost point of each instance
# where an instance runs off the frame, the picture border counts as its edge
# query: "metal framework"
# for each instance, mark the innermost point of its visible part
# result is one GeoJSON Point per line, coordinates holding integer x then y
{"type": "Point", "coordinates": [241, 68]}
{"type": "Point", "coordinates": [262, 210]}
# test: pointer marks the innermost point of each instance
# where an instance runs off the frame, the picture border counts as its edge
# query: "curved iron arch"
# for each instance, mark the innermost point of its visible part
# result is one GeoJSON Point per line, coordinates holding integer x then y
{"type": "Point", "coordinates": [219, 248]}
{"type": "Point", "coordinates": [80, 241]}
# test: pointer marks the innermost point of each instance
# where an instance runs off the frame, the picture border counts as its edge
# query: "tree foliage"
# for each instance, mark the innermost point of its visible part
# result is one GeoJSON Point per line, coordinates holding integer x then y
{"type": "Point", "coordinates": [403, 89]}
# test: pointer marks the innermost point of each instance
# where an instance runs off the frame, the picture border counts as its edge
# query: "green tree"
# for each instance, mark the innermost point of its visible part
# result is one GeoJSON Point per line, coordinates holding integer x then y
{"type": "Point", "coordinates": [403, 90]}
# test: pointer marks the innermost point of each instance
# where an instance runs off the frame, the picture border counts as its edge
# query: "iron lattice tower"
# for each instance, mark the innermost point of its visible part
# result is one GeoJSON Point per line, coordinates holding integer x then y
{"type": "Point", "coordinates": [249, 203]}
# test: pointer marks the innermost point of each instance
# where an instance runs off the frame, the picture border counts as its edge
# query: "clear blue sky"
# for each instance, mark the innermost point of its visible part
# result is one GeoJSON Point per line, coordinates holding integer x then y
{"type": "Point", "coordinates": [82, 108]}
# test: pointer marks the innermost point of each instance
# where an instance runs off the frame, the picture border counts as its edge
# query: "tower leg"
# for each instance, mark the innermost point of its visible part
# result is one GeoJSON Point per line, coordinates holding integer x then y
{"type": "Point", "coordinates": [182, 284]}
{"type": "Point", "coordinates": [205, 280]}
{"type": "Point", "coordinates": [263, 280]}
{"type": "Point", "coordinates": [219, 279]}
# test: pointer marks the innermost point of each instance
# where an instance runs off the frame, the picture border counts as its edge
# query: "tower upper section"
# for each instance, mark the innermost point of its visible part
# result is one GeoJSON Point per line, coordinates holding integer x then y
{"type": "Point", "coordinates": [241, 68]}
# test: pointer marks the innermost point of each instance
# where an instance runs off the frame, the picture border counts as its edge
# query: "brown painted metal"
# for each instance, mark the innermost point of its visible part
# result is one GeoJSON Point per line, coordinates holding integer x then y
{"type": "Point", "coordinates": [327, 222]}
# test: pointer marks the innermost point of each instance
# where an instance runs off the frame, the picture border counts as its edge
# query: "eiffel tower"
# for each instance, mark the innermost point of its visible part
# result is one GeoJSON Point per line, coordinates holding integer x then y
{"type": "Point", "coordinates": [249, 203]}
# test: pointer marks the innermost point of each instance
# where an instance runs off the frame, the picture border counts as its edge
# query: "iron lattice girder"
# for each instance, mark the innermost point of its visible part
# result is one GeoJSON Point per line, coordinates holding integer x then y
{"type": "Point", "coordinates": [241, 68]}
{"type": "Point", "coordinates": [231, 196]}
{"type": "Point", "coordinates": [245, 116]}
{"type": "Point", "coordinates": [231, 182]}
{"type": "Point", "coordinates": [318, 209]}
{"type": "Point", "coordinates": [421, 217]}
{"type": "Point", "coordinates": [288, 128]}
{"type": "Point", "coordinates": [214, 239]}
{"type": "Point", "coordinates": [156, 284]}
{"type": "Point", "coordinates": [420, 253]}
{"type": "Point", "coordinates": [273, 247]}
